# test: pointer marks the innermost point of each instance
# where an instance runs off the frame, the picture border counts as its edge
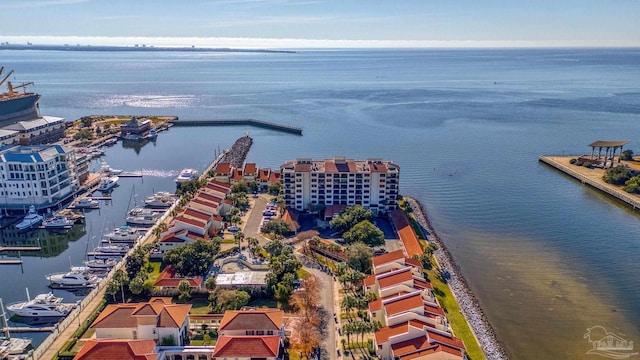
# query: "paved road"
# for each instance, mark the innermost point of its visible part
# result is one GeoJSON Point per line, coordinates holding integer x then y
{"type": "Point", "coordinates": [327, 299]}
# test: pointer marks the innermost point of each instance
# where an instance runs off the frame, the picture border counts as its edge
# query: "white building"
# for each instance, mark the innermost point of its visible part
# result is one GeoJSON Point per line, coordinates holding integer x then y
{"type": "Point", "coordinates": [372, 183]}
{"type": "Point", "coordinates": [46, 129]}
{"type": "Point", "coordinates": [40, 175]}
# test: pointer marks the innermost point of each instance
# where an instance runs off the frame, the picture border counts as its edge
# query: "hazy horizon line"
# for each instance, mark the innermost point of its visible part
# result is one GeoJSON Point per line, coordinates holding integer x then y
{"type": "Point", "coordinates": [291, 43]}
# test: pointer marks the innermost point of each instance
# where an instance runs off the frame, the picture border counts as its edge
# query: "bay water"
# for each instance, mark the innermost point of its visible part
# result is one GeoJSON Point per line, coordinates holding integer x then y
{"type": "Point", "coordinates": [546, 256]}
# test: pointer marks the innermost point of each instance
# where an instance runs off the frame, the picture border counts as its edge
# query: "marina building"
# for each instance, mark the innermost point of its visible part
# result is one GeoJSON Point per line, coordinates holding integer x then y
{"type": "Point", "coordinates": [40, 175]}
{"type": "Point", "coordinates": [42, 130]}
{"type": "Point", "coordinates": [136, 126]}
{"type": "Point", "coordinates": [371, 183]}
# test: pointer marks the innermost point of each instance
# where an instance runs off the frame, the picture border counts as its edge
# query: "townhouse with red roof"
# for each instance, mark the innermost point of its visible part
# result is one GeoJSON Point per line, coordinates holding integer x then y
{"type": "Point", "coordinates": [168, 280]}
{"type": "Point", "coordinates": [120, 349]}
{"type": "Point", "coordinates": [156, 319]}
{"type": "Point", "coordinates": [414, 324]}
{"type": "Point", "coordinates": [250, 334]}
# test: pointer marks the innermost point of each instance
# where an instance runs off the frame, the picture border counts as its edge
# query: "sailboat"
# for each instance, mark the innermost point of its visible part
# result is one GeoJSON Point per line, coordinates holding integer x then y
{"type": "Point", "coordinates": [9, 345]}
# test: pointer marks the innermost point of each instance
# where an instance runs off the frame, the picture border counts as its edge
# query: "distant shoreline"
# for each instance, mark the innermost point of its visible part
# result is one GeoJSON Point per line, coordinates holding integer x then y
{"type": "Point", "coordinates": [137, 48]}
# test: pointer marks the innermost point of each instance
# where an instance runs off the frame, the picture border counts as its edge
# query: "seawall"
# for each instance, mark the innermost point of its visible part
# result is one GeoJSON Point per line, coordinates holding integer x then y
{"type": "Point", "coordinates": [591, 177]}
{"type": "Point", "coordinates": [231, 122]}
{"type": "Point", "coordinates": [468, 303]}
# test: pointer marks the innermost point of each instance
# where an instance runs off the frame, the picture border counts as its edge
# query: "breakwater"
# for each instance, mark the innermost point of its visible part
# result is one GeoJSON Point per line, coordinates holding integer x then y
{"type": "Point", "coordinates": [468, 303]}
{"type": "Point", "coordinates": [237, 154]}
{"type": "Point", "coordinates": [236, 122]}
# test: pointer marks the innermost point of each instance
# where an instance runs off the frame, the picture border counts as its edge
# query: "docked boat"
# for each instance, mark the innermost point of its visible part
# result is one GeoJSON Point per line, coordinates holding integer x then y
{"type": "Point", "coordinates": [113, 250]}
{"type": "Point", "coordinates": [106, 169]}
{"type": "Point", "coordinates": [57, 222]}
{"type": "Point", "coordinates": [131, 137]}
{"type": "Point", "coordinates": [87, 203]}
{"type": "Point", "coordinates": [108, 182]}
{"type": "Point", "coordinates": [11, 346]}
{"type": "Point", "coordinates": [123, 234]}
{"type": "Point", "coordinates": [142, 217]}
{"type": "Point", "coordinates": [72, 280]}
{"type": "Point", "coordinates": [160, 200]}
{"type": "Point", "coordinates": [101, 264]}
{"type": "Point", "coordinates": [186, 175]}
{"type": "Point", "coordinates": [32, 219]}
{"type": "Point", "coordinates": [152, 135]}
{"type": "Point", "coordinates": [110, 142]}
{"type": "Point", "coordinates": [43, 305]}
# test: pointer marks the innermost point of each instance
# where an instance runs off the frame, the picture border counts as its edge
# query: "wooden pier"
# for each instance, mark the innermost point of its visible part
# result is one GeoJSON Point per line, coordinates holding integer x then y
{"type": "Point", "coordinates": [28, 329]}
{"type": "Point", "coordinates": [235, 122]}
{"type": "Point", "coordinates": [10, 261]}
{"type": "Point", "coordinates": [20, 248]}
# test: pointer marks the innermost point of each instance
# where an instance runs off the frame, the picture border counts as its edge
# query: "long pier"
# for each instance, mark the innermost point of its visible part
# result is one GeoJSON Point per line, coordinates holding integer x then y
{"type": "Point", "coordinates": [252, 122]}
{"type": "Point", "coordinates": [20, 248]}
{"type": "Point", "coordinates": [608, 189]}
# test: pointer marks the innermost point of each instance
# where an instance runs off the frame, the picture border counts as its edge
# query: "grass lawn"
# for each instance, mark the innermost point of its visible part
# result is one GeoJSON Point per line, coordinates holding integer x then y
{"type": "Point", "coordinates": [303, 274]}
{"type": "Point", "coordinates": [458, 322]}
{"type": "Point", "coordinates": [201, 342]}
{"type": "Point", "coordinates": [270, 303]}
{"type": "Point", "coordinates": [88, 334]}
{"type": "Point", "coordinates": [153, 276]}
{"type": "Point", "coordinates": [199, 306]}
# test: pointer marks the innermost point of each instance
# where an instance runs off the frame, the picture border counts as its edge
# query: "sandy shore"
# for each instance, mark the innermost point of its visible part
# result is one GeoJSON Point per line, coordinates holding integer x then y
{"type": "Point", "coordinates": [466, 300]}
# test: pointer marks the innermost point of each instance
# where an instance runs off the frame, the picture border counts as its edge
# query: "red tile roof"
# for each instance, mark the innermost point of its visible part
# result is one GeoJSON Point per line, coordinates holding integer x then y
{"type": "Point", "coordinates": [408, 237]}
{"type": "Point", "coordinates": [386, 332]}
{"type": "Point", "coordinates": [434, 350]}
{"type": "Point", "coordinates": [369, 280]}
{"type": "Point", "coordinates": [223, 168]}
{"type": "Point", "coordinates": [420, 284]}
{"type": "Point", "coordinates": [388, 257]}
{"type": "Point", "coordinates": [377, 168]}
{"type": "Point", "coordinates": [302, 167]}
{"type": "Point", "coordinates": [125, 315]}
{"type": "Point", "coordinates": [397, 278]}
{"type": "Point", "coordinates": [116, 316]}
{"type": "Point", "coordinates": [413, 262]}
{"type": "Point", "coordinates": [264, 174]}
{"type": "Point", "coordinates": [237, 174]}
{"type": "Point", "coordinates": [117, 349]}
{"type": "Point", "coordinates": [189, 220]}
{"type": "Point", "coordinates": [207, 196]}
{"type": "Point", "coordinates": [197, 213]}
{"type": "Point", "coordinates": [403, 304]}
{"type": "Point", "coordinates": [274, 177]}
{"type": "Point", "coordinates": [259, 319]}
{"type": "Point", "coordinates": [173, 236]}
{"type": "Point", "coordinates": [221, 184]}
{"type": "Point", "coordinates": [250, 168]}
{"type": "Point", "coordinates": [247, 347]}
{"type": "Point", "coordinates": [167, 279]}
{"type": "Point", "coordinates": [375, 305]}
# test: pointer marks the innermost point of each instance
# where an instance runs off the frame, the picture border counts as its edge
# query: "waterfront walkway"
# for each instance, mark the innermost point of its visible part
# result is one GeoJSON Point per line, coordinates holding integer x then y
{"type": "Point", "coordinates": [592, 177]}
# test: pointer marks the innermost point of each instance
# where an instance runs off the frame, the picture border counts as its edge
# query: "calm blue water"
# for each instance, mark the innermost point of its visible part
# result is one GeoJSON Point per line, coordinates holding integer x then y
{"type": "Point", "coordinates": [546, 256]}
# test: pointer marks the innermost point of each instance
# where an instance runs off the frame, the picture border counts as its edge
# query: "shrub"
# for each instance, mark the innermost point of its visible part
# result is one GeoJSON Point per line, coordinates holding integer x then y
{"type": "Point", "coordinates": [573, 161]}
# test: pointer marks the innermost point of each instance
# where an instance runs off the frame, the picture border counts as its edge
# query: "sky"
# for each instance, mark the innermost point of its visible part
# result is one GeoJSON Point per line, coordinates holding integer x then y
{"type": "Point", "coordinates": [323, 23]}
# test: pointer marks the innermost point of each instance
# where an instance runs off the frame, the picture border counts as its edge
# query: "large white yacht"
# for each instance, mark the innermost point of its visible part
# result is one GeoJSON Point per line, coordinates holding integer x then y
{"type": "Point", "coordinates": [72, 279]}
{"type": "Point", "coordinates": [160, 200]}
{"type": "Point", "coordinates": [101, 264]}
{"type": "Point", "coordinates": [187, 175]}
{"type": "Point", "coordinates": [108, 182]}
{"type": "Point", "coordinates": [32, 219]}
{"type": "Point", "coordinates": [87, 203]}
{"type": "Point", "coordinates": [57, 222]}
{"type": "Point", "coordinates": [142, 217]}
{"type": "Point", "coordinates": [43, 305]}
{"type": "Point", "coordinates": [123, 234]}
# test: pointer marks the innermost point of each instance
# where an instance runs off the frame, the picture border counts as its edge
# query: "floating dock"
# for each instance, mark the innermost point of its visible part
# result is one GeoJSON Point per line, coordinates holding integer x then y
{"type": "Point", "coordinates": [593, 180]}
{"type": "Point", "coordinates": [234, 122]}
{"type": "Point", "coordinates": [26, 329]}
{"type": "Point", "coordinates": [20, 248]}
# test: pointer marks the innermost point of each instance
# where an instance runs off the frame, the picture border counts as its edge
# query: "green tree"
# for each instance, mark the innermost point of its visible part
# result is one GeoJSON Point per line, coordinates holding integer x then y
{"type": "Point", "coordinates": [184, 288]}
{"type": "Point", "coordinates": [283, 292]}
{"type": "Point", "coordinates": [632, 185]}
{"type": "Point", "coordinates": [274, 189]}
{"type": "Point", "coordinates": [359, 256]}
{"type": "Point", "coordinates": [617, 175]}
{"type": "Point", "coordinates": [276, 226]}
{"type": "Point", "coordinates": [365, 232]}
{"type": "Point", "coordinates": [627, 155]}
{"type": "Point", "coordinates": [240, 187]}
{"type": "Point", "coordinates": [136, 286]}
{"type": "Point", "coordinates": [351, 216]}
{"type": "Point", "coordinates": [210, 284]}
{"type": "Point", "coordinates": [113, 287]}
{"type": "Point", "coordinates": [192, 259]}
{"type": "Point", "coordinates": [135, 262]}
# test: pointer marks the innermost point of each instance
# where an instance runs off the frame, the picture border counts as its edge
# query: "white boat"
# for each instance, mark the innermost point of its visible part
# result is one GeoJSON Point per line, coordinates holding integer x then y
{"type": "Point", "coordinates": [152, 135]}
{"type": "Point", "coordinates": [160, 200]}
{"type": "Point", "coordinates": [87, 203]}
{"type": "Point", "coordinates": [57, 222]}
{"type": "Point", "coordinates": [72, 279]}
{"type": "Point", "coordinates": [123, 234]}
{"type": "Point", "coordinates": [106, 169]}
{"type": "Point", "coordinates": [8, 345]}
{"type": "Point", "coordinates": [108, 182]}
{"type": "Point", "coordinates": [115, 250]}
{"type": "Point", "coordinates": [43, 305]}
{"type": "Point", "coordinates": [30, 220]}
{"type": "Point", "coordinates": [132, 137]}
{"type": "Point", "coordinates": [187, 175]}
{"type": "Point", "coordinates": [141, 217]}
{"type": "Point", "coordinates": [101, 264]}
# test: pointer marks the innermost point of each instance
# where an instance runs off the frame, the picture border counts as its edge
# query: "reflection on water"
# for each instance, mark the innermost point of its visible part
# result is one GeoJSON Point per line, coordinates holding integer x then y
{"type": "Point", "coordinates": [52, 243]}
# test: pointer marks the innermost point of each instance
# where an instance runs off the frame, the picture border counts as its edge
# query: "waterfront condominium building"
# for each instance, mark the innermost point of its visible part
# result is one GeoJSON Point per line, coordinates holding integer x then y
{"type": "Point", "coordinates": [40, 175]}
{"type": "Point", "coordinates": [372, 183]}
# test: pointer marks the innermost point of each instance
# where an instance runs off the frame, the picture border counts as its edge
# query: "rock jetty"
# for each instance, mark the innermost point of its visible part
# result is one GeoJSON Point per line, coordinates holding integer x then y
{"type": "Point", "coordinates": [237, 154]}
{"type": "Point", "coordinates": [468, 303]}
